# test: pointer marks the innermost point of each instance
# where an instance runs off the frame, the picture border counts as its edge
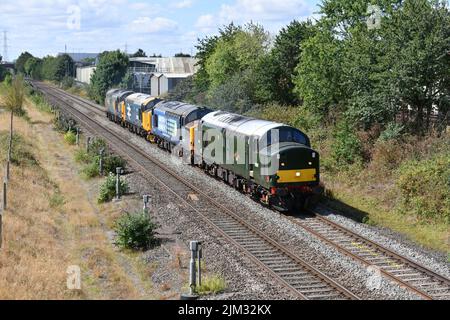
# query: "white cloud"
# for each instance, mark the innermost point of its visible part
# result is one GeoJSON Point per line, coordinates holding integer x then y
{"type": "Point", "coordinates": [153, 25]}
{"type": "Point", "coordinates": [264, 10]}
{"type": "Point", "coordinates": [206, 23]}
{"type": "Point", "coordinates": [182, 4]}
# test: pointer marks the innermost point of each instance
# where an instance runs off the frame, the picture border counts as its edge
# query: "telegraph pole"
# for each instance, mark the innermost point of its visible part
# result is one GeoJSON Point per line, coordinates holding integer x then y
{"type": "Point", "coordinates": [5, 46]}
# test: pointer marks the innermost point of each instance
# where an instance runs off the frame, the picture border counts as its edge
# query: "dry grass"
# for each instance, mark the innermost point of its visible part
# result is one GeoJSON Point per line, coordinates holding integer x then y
{"type": "Point", "coordinates": [53, 222]}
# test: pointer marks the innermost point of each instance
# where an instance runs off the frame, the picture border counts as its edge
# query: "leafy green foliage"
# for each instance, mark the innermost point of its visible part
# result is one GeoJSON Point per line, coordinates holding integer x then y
{"type": "Point", "coordinates": [372, 74]}
{"type": "Point", "coordinates": [14, 97]}
{"type": "Point", "coordinates": [425, 188]}
{"type": "Point", "coordinates": [33, 68]}
{"type": "Point", "coordinates": [346, 148]}
{"type": "Point", "coordinates": [57, 68]}
{"type": "Point", "coordinates": [278, 69]}
{"type": "Point", "coordinates": [111, 69]}
{"type": "Point", "coordinates": [3, 72]}
{"type": "Point", "coordinates": [139, 54]}
{"type": "Point", "coordinates": [135, 231]}
{"type": "Point", "coordinates": [22, 60]}
{"type": "Point", "coordinates": [393, 131]}
{"type": "Point", "coordinates": [108, 188]}
{"type": "Point", "coordinates": [111, 162]}
{"type": "Point", "coordinates": [70, 138]}
{"type": "Point", "coordinates": [91, 160]}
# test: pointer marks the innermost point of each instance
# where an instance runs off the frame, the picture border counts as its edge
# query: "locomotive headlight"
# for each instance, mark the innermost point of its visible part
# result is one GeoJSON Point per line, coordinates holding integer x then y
{"type": "Point", "coordinates": [297, 174]}
{"type": "Point", "coordinates": [310, 163]}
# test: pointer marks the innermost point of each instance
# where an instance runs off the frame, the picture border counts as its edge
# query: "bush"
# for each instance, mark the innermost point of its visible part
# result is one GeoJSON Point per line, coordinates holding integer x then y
{"type": "Point", "coordinates": [70, 137]}
{"type": "Point", "coordinates": [95, 147]}
{"type": "Point", "coordinates": [81, 156]}
{"type": "Point", "coordinates": [347, 147]}
{"type": "Point", "coordinates": [21, 150]}
{"type": "Point", "coordinates": [67, 82]}
{"type": "Point", "coordinates": [425, 188]}
{"type": "Point", "coordinates": [111, 162]}
{"type": "Point", "coordinates": [108, 188]}
{"type": "Point", "coordinates": [91, 170]}
{"type": "Point", "coordinates": [213, 284]}
{"type": "Point", "coordinates": [135, 231]}
{"type": "Point", "coordinates": [393, 131]}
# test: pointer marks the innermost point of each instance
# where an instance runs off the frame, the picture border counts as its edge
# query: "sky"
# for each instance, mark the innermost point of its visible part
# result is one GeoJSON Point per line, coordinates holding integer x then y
{"type": "Point", "coordinates": [44, 27]}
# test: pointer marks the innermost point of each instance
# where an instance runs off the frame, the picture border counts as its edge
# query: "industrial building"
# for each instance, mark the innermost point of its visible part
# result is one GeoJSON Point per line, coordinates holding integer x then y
{"type": "Point", "coordinates": [154, 75]}
{"type": "Point", "coordinates": [157, 76]}
{"type": "Point", "coordinates": [84, 74]}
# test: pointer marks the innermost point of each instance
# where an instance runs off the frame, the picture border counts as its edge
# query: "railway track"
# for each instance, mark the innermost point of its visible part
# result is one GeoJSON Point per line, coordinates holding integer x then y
{"type": "Point", "coordinates": [409, 274]}
{"type": "Point", "coordinates": [295, 274]}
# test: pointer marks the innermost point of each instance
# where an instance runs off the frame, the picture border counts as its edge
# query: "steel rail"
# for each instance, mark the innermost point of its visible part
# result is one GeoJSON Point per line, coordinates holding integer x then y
{"type": "Point", "coordinates": [371, 250]}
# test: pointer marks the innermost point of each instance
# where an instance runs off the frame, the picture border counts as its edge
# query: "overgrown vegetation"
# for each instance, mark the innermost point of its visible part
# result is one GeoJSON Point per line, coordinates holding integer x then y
{"type": "Point", "coordinates": [91, 160]}
{"type": "Point", "coordinates": [110, 71]}
{"type": "Point", "coordinates": [211, 285]}
{"type": "Point", "coordinates": [108, 188]}
{"type": "Point", "coordinates": [58, 69]}
{"type": "Point", "coordinates": [135, 231]}
{"type": "Point", "coordinates": [424, 187]}
{"type": "Point", "coordinates": [21, 154]}
{"type": "Point", "coordinates": [70, 137]}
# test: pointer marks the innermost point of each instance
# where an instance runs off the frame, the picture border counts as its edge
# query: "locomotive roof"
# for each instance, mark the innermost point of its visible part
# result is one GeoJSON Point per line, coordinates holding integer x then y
{"type": "Point", "coordinates": [176, 107]}
{"type": "Point", "coordinates": [120, 93]}
{"type": "Point", "coordinates": [111, 91]}
{"type": "Point", "coordinates": [139, 98]}
{"type": "Point", "coordinates": [240, 124]}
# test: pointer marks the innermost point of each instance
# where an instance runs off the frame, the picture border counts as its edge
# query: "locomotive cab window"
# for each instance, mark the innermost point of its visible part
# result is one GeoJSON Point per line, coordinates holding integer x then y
{"type": "Point", "coordinates": [286, 134]}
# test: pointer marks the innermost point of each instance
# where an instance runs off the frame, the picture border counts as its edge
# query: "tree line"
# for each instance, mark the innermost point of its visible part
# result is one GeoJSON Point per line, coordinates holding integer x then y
{"type": "Point", "coordinates": [337, 67]}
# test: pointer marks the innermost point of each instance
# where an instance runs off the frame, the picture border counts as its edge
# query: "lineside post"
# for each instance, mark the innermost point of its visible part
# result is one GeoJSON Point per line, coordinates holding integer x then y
{"type": "Point", "coordinates": [146, 199]}
{"type": "Point", "coordinates": [88, 143]}
{"type": "Point", "coordinates": [4, 206]}
{"type": "Point", "coordinates": [100, 169]}
{"type": "Point", "coordinates": [118, 172]}
{"type": "Point", "coordinates": [1, 227]}
{"type": "Point", "coordinates": [78, 136]}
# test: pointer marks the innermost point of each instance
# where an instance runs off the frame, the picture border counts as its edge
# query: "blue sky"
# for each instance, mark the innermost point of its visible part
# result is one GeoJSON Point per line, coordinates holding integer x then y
{"type": "Point", "coordinates": [46, 26]}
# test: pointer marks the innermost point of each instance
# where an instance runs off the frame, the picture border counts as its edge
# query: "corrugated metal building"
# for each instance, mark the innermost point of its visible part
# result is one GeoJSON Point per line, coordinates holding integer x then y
{"type": "Point", "coordinates": [157, 76]}
{"type": "Point", "coordinates": [84, 74]}
{"type": "Point", "coordinates": [164, 65]}
{"type": "Point", "coordinates": [162, 83]}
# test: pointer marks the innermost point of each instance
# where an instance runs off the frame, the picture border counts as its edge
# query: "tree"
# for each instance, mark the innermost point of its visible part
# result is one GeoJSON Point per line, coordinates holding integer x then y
{"type": "Point", "coordinates": [20, 62]}
{"type": "Point", "coordinates": [205, 48]}
{"type": "Point", "coordinates": [64, 67]}
{"type": "Point", "coordinates": [182, 55]}
{"type": "Point", "coordinates": [370, 75]}
{"type": "Point", "coordinates": [110, 71]}
{"type": "Point", "coordinates": [33, 68]}
{"type": "Point", "coordinates": [13, 102]}
{"type": "Point", "coordinates": [139, 53]}
{"type": "Point", "coordinates": [238, 52]}
{"type": "Point", "coordinates": [278, 69]}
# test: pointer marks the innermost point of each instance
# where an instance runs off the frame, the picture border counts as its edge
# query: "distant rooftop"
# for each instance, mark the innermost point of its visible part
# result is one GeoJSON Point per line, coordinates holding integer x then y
{"type": "Point", "coordinates": [165, 65]}
{"type": "Point", "coordinates": [80, 56]}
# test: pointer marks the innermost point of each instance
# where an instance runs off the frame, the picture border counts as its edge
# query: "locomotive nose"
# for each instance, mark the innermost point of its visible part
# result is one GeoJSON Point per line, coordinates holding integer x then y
{"type": "Point", "coordinates": [298, 165]}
